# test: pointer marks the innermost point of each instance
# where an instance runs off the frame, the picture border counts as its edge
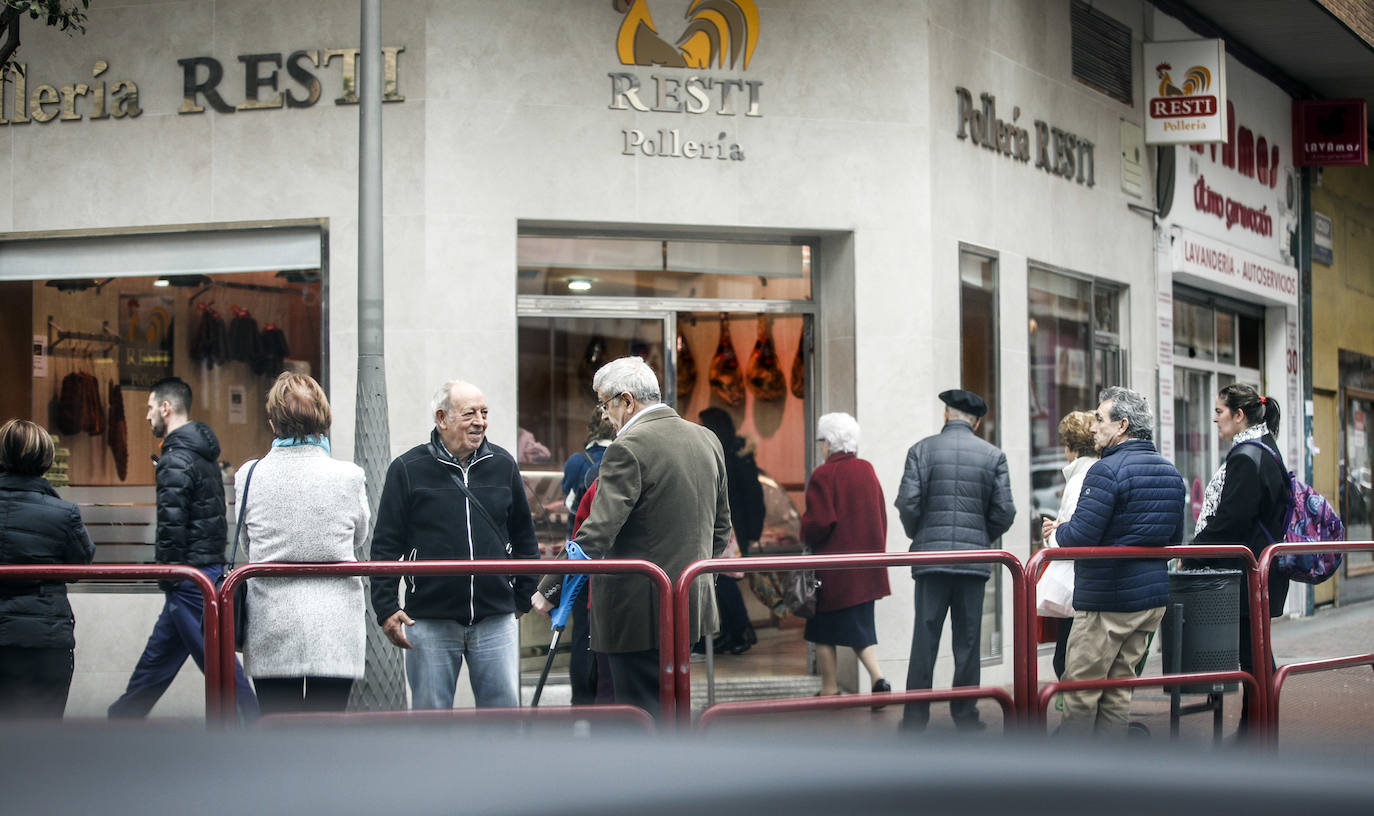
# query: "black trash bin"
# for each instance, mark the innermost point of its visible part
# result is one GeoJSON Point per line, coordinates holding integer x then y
{"type": "Point", "coordinates": [1209, 600]}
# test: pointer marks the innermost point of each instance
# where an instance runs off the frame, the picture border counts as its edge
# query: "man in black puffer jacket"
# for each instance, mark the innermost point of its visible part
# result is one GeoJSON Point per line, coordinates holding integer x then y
{"type": "Point", "coordinates": [457, 497]}
{"type": "Point", "coordinates": [191, 530]}
{"type": "Point", "coordinates": [955, 495]}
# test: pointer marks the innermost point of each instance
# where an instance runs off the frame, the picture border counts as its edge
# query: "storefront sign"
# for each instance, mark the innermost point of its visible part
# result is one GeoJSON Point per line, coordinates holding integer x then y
{"type": "Point", "coordinates": [1185, 92]}
{"type": "Point", "coordinates": [1240, 192]}
{"type": "Point", "coordinates": [145, 331]}
{"type": "Point", "coordinates": [1330, 131]}
{"type": "Point", "coordinates": [202, 82]}
{"type": "Point", "coordinates": [1245, 274]}
{"type": "Point", "coordinates": [1057, 152]}
{"type": "Point", "coordinates": [718, 32]}
{"type": "Point", "coordinates": [1321, 238]}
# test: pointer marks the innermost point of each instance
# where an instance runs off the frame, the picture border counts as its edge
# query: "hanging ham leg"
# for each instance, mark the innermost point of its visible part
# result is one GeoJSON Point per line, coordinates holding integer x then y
{"type": "Point", "coordinates": [799, 372]}
{"type": "Point", "coordinates": [765, 376]}
{"type": "Point", "coordinates": [686, 368]}
{"type": "Point", "coordinates": [727, 378]}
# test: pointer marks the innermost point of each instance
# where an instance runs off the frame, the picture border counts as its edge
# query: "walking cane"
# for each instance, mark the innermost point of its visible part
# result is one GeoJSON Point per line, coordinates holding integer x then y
{"type": "Point", "coordinates": [572, 587]}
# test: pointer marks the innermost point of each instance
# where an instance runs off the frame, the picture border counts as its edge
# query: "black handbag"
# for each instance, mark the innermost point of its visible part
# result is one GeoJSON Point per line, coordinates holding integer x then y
{"type": "Point", "coordinates": [799, 591]}
{"type": "Point", "coordinates": [241, 591]}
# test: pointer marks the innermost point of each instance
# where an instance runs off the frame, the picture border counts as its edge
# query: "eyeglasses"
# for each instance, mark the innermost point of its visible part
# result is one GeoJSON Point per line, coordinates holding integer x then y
{"type": "Point", "coordinates": [601, 406]}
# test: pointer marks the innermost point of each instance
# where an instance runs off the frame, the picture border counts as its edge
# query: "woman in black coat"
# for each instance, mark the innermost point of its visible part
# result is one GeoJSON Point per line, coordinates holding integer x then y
{"type": "Point", "coordinates": [746, 518]}
{"type": "Point", "coordinates": [36, 623]}
{"type": "Point", "coordinates": [1247, 499]}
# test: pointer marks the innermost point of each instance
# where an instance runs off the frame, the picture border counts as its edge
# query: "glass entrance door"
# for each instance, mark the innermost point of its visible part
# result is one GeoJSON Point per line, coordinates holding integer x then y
{"type": "Point", "coordinates": [558, 357]}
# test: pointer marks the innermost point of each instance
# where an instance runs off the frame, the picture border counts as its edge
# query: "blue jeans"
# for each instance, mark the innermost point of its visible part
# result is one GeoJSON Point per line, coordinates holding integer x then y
{"type": "Point", "coordinates": [436, 656]}
{"type": "Point", "coordinates": [178, 634]}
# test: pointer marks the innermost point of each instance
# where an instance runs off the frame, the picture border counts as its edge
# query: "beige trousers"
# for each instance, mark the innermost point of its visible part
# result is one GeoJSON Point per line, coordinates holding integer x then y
{"type": "Point", "coordinates": [1104, 645]}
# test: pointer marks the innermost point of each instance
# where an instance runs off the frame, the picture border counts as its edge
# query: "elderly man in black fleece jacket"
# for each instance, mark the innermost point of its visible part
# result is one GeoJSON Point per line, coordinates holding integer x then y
{"type": "Point", "coordinates": [191, 529]}
{"type": "Point", "coordinates": [428, 513]}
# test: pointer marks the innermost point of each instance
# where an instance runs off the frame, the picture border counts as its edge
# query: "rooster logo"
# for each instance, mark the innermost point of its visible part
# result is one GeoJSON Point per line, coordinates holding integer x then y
{"type": "Point", "coordinates": [1196, 80]}
{"type": "Point", "coordinates": [714, 28]}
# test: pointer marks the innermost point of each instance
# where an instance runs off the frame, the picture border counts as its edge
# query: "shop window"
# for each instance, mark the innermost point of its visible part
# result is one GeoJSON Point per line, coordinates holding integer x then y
{"type": "Point", "coordinates": [979, 374]}
{"type": "Point", "coordinates": [1101, 52]}
{"type": "Point", "coordinates": [1071, 321]}
{"type": "Point", "coordinates": [100, 344]}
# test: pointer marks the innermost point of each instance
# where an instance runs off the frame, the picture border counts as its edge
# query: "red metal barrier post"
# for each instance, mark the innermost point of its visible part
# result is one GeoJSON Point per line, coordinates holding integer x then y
{"type": "Point", "coordinates": [162, 572]}
{"type": "Point", "coordinates": [1273, 680]}
{"type": "Point", "coordinates": [1257, 595]}
{"type": "Point", "coordinates": [650, 571]}
{"type": "Point", "coordinates": [788, 563]}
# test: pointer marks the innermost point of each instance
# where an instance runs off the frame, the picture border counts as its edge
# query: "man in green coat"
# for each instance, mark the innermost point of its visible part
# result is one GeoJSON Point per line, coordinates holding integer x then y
{"type": "Point", "coordinates": [662, 496]}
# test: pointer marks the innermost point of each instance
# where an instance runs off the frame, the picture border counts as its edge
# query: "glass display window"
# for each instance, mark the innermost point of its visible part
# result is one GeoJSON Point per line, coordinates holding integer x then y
{"type": "Point", "coordinates": [98, 347]}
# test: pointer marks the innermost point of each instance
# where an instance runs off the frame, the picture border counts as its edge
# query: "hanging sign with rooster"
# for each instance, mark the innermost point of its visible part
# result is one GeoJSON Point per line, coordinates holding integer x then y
{"type": "Point", "coordinates": [1185, 92]}
{"type": "Point", "coordinates": [713, 36]}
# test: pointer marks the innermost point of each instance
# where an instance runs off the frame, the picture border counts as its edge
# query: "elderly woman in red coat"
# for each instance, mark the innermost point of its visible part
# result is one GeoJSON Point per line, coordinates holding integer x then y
{"type": "Point", "coordinates": [845, 513]}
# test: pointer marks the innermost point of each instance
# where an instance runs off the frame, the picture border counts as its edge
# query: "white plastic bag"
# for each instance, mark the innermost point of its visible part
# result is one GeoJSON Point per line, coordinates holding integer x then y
{"type": "Point", "coordinates": [1054, 590]}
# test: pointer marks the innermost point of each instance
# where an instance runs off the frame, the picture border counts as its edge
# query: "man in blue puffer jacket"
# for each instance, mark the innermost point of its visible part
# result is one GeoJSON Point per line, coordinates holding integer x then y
{"type": "Point", "coordinates": [1132, 497]}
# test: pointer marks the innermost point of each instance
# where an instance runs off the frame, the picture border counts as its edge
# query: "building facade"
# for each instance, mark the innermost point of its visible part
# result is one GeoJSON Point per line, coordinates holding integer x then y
{"type": "Point", "coordinates": [890, 200]}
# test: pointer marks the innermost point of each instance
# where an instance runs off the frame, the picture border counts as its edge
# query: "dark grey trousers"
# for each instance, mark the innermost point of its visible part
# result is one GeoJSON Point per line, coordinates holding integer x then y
{"type": "Point", "coordinates": [962, 597]}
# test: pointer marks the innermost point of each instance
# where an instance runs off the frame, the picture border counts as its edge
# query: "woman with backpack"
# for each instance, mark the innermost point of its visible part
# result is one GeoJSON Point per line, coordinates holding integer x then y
{"type": "Point", "coordinates": [1247, 501]}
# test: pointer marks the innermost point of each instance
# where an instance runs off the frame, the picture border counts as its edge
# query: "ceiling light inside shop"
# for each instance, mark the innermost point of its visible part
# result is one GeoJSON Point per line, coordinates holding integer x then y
{"type": "Point", "coordinates": [579, 284]}
{"type": "Point", "coordinates": [162, 282]}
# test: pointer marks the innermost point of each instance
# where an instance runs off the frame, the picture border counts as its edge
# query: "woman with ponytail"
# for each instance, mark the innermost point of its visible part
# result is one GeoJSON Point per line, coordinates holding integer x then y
{"type": "Point", "coordinates": [1247, 500]}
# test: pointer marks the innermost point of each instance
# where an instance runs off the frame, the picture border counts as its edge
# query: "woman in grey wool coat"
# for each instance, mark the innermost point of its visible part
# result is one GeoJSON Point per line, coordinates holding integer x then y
{"type": "Point", "coordinates": [305, 638]}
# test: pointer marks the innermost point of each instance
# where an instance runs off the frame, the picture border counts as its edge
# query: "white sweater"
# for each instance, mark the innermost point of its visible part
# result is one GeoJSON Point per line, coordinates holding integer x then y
{"type": "Point", "coordinates": [1074, 473]}
{"type": "Point", "coordinates": [303, 506]}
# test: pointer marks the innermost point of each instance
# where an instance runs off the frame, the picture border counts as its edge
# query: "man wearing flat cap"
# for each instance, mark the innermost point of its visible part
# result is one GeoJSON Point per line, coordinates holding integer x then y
{"type": "Point", "coordinates": [955, 495]}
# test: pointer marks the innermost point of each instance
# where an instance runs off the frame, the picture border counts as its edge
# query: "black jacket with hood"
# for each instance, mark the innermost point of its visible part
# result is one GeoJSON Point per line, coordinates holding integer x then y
{"type": "Point", "coordinates": [37, 527]}
{"type": "Point", "coordinates": [424, 516]}
{"type": "Point", "coordinates": [191, 528]}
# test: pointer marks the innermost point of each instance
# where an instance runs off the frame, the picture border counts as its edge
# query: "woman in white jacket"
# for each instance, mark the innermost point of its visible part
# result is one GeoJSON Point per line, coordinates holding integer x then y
{"type": "Point", "coordinates": [305, 638]}
{"type": "Point", "coordinates": [1075, 431]}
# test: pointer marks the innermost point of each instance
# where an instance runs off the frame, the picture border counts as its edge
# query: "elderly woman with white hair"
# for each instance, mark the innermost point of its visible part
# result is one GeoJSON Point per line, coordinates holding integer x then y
{"type": "Point", "coordinates": [845, 513]}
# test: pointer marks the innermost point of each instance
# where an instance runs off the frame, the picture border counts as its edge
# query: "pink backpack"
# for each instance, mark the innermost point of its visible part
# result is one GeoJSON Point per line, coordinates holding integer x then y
{"type": "Point", "coordinates": [1309, 518]}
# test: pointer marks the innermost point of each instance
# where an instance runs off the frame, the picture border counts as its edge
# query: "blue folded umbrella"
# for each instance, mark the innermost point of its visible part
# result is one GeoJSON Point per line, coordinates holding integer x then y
{"type": "Point", "coordinates": [572, 587]}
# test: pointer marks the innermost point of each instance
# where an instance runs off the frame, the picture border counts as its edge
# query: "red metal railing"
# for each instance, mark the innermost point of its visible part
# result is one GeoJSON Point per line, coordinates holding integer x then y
{"type": "Point", "coordinates": [1048, 690]}
{"type": "Point", "coordinates": [1021, 653]}
{"type": "Point", "coordinates": [652, 572]}
{"type": "Point", "coordinates": [614, 714]}
{"type": "Point", "coordinates": [792, 704]}
{"type": "Point", "coordinates": [1275, 679]}
{"type": "Point", "coordinates": [1256, 595]}
{"type": "Point", "coordinates": [160, 572]}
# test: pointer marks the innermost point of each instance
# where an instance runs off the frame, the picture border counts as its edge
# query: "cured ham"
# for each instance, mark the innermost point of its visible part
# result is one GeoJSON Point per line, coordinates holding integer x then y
{"type": "Point", "coordinates": [727, 377]}
{"type": "Point", "coordinates": [686, 368]}
{"type": "Point", "coordinates": [765, 375]}
{"type": "Point", "coordinates": [798, 379]}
